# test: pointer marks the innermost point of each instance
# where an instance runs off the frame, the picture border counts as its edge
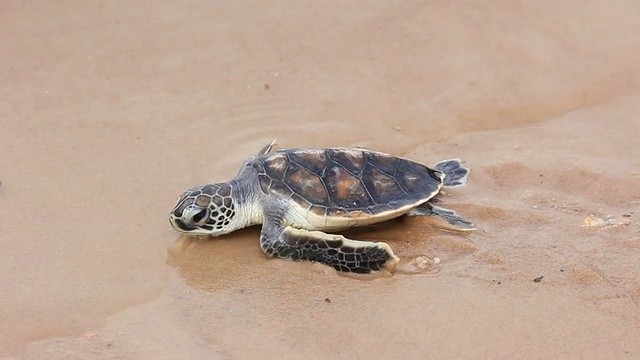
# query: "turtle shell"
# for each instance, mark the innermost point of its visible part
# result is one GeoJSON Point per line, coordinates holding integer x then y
{"type": "Point", "coordinates": [344, 187]}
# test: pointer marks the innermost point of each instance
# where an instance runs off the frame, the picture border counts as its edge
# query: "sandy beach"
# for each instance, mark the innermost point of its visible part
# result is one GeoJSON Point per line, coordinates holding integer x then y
{"type": "Point", "coordinates": [112, 109]}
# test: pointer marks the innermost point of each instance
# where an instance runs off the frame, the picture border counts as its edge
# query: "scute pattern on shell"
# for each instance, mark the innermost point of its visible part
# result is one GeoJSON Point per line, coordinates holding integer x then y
{"type": "Point", "coordinates": [345, 182]}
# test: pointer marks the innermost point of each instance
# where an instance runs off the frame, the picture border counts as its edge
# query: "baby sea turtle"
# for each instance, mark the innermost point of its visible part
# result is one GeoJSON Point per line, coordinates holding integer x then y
{"type": "Point", "coordinates": [297, 194]}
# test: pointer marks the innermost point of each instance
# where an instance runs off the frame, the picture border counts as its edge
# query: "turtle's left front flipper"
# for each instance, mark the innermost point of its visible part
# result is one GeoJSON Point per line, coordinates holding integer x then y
{"type": "Point", "coordinates": [334, 250]}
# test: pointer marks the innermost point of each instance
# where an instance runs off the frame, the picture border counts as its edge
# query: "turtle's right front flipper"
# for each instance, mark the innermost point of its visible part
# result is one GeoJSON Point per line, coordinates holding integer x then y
{"type": "Point", "coordinates": [334, 250]}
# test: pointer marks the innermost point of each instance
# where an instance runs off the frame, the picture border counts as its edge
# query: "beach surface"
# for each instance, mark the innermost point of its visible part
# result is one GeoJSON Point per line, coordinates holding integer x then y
{"type": "Point", "coordinates": [112, 109]}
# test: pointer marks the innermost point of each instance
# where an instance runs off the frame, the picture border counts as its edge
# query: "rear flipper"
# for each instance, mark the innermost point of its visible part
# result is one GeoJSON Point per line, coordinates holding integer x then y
{"type": "Point", "coordinates": [455, 173]}
{"type": "Point", "coordinates": [455, 221]}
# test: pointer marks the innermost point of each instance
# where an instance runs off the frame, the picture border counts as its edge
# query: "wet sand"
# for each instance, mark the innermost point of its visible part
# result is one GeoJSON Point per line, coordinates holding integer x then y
{"type": "Point", "coordinates": [111, 110]}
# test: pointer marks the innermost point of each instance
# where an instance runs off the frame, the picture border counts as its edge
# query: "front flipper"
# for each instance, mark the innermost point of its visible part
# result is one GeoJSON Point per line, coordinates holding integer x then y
{"type": "Point", "coordinates": [455, 221]}
{"type": "Point", "coordinates": [334, 250]}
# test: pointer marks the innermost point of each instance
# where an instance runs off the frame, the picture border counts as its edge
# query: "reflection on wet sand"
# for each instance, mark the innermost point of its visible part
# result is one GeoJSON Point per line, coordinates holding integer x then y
{"type": "Point", "coordinates": [216, 263]}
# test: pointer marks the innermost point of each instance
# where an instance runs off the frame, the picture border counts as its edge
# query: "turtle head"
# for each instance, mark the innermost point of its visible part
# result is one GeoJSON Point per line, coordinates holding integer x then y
{"type": "Point", "coordinates": [204, 210]}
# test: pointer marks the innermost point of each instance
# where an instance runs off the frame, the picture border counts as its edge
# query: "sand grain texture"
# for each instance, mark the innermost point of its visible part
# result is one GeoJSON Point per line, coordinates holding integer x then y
{"type": "Point", "coordinates": [111, 110]}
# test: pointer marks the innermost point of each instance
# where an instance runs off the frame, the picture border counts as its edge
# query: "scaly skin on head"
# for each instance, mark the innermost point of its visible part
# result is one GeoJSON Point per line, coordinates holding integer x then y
{"type": "Point", "coordinates": [218, 209]}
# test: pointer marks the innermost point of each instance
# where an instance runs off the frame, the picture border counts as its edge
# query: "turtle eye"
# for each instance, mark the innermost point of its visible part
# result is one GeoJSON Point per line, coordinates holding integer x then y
{"type": "Point", "coordinates": [197, 218]}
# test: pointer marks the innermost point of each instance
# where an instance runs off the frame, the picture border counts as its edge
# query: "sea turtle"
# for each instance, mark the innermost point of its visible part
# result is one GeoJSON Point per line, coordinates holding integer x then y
{"type": "Point", "coordinates": [297, 194]}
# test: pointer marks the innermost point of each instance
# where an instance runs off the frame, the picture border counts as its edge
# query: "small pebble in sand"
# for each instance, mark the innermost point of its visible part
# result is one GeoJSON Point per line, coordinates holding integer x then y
{"type": "Point", "coordinates": [327, 300]}
{"type": "Point", "coordinates": [267, 87]}
{"type": "Point", "coordinates": [538, 279]}
{"type": "Point", "coordinates": [422, 262]}
{"type": "Point", "coordinates": [397, 128]}
{"type": "Point", "coordinates": [419, 264]}
{"type": "Point", "coordinates": [592, 221]}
